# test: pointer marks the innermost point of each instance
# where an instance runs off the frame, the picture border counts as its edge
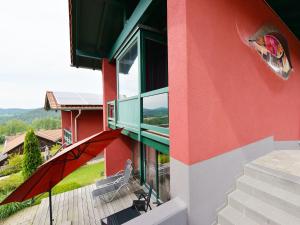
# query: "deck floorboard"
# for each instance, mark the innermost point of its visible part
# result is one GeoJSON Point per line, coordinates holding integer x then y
{"type": "Point", "coordinates": [79, 207]}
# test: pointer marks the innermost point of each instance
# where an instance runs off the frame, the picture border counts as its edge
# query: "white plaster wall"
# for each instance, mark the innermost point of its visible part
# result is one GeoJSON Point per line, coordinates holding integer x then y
{"type": "Point", "coordinates": [172, 212]}
{"type": "Point", "coordinates": [204, 186]}
{"type": "Point", "coordinates": [287, 145]}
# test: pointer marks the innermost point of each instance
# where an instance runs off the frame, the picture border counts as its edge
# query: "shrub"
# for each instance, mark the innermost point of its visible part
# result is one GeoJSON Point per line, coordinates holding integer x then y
{"type": "Point", "coordinates": [54, 149]}
{"type": "Point", "coordinates": [32, 154]}
{"type": "Point", "coordinates": [2, 139]}
{"type": "Point", "coordinates": [11, 208]}
{"type": "Point", "coordinates": [8, 185]}
{"type": "Point", "coordinates": [8, 170]}
{"type": "Point", "coordinates": [15, 162]}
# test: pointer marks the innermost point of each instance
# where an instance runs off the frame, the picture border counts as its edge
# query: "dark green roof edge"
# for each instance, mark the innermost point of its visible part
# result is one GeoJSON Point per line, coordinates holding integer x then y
{"type": "Point", "coordinates": [130, 26]}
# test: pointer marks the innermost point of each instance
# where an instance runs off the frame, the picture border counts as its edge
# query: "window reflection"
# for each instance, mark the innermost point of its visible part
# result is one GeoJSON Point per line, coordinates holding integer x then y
{"type": "Point", "coordinates": [155, 110]}
{"type": "Point", "coordinates": [164, 176]}
{"type": "Point", "coordinates": [150, 166]}
{"type": "Point", "coordinates": [128, 73]}
{"type": "Point", "coordinates": [136, 159]}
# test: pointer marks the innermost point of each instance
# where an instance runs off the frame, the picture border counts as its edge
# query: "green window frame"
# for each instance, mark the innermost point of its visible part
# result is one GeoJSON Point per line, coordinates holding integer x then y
{"type": "Point", "coordinates": [139, 37]}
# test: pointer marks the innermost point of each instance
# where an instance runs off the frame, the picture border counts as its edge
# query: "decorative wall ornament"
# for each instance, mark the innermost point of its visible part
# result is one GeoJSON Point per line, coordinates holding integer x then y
{"type": "Point", "coordinates": [273, 49]}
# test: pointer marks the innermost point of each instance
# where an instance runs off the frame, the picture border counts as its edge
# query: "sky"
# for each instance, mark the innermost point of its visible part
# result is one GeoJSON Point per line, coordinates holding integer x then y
{"type": "Point", "coordinates": [35, 54]}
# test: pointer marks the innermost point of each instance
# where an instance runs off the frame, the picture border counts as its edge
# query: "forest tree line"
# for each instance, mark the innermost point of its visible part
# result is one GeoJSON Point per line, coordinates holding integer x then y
{"type": "Point", "coordinates": [16, 126]}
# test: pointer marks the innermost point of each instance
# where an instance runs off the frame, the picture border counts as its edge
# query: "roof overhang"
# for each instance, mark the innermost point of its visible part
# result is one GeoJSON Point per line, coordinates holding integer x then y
{"type": "Point", "coordinates": [289, 12]}
{"type": "Point", "coordinates": [94, 26]}
{"type": "Point", "coordinates": [98, 28]}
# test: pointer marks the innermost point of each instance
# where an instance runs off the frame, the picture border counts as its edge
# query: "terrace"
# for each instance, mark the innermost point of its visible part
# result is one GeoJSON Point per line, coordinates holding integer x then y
{"type": "Point", "coordinates": [77, 207]}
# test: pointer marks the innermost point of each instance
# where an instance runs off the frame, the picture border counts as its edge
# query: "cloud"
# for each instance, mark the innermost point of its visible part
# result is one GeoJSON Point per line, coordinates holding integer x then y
{"type": "Point", "coordinates": [35, 54]}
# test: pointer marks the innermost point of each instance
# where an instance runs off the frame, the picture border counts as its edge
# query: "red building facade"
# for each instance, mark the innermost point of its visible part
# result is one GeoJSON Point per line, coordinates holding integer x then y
{"type": "Point", "coordinates": [79, 118]}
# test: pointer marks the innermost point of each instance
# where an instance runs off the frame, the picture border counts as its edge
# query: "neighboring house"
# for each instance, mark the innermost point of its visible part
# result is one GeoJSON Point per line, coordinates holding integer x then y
{"type": "Point", "coordinates": [81, 114]}
{"type": "Point", "coordinates": [194, 98]}
{"type": "Point", "coordinates": [15, 144]}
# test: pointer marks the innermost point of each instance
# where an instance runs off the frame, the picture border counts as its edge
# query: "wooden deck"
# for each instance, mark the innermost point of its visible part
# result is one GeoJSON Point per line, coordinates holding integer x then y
{"type": "Point", "coordinates": [78, 207]}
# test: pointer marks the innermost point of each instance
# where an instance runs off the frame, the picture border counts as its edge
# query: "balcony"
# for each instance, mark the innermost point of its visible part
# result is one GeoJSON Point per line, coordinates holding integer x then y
{"type": "Point", "coordinates": [147, 114]}
{"type": "Point", "coordinates": [67, 137]}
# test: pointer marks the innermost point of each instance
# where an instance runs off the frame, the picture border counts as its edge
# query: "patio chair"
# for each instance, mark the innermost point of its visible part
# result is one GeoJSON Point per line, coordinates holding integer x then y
{"type": "Point", "coordinates": [114, 177]}
{"type": "Point", "coordinates": [143, 205]}
{"type": "Point", "coordinates": [113, 188]}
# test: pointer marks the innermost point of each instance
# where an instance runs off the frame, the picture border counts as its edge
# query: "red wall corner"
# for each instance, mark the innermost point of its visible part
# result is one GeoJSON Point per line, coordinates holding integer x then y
{"type": "Point", "coordinates": [116, 155]}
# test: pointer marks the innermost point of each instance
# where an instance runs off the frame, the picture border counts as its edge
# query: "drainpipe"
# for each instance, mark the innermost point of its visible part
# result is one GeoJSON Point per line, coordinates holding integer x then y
{"type": "Point", "coordinates": [79, 113]}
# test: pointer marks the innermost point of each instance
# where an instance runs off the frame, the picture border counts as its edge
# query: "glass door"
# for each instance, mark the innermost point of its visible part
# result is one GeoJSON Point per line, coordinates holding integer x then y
{"type": "Point", "coordinates": [136, 160]}
{"type": "Point", "coordinates": [157, 172]}
{"type": "Point", "coordinates": [150, 167]}
{"type": "Point", "coordinates": [163, 176]}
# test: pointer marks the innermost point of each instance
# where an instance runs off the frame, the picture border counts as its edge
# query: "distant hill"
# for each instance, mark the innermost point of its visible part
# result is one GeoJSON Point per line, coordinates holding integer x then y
{"type": "Point", "coordinates": [26, 115]}
{"type": "Point", "coordinates": [158, 112]}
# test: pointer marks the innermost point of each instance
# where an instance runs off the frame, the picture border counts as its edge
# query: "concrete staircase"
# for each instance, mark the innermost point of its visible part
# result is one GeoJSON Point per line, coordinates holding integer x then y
{"type": "Point", "coordinates": [263, 196]}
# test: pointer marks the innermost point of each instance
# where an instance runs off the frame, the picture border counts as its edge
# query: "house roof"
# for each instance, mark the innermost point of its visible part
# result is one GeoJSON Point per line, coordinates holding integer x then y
{"type": "Point", "coordinates": [72, 101]}
{"type": "Point", "coordinates": [3, 157]}
{"type": "Point", "coordinates": [17, 140]}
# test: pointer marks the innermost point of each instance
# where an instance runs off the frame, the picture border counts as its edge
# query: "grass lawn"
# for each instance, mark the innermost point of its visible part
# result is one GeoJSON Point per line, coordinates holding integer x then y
{"type": "Point", "coordinates": [1, 148]}
{"type": "Point", "coordinates": [83, 176]}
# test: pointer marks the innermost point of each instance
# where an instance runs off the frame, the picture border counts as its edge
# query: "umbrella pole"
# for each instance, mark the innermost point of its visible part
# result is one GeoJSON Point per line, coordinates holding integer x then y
{"type": "Point", "coordinates": [50, 207]}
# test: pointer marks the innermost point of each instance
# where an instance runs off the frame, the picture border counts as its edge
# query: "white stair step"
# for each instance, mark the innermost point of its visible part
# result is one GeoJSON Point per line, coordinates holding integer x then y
{"type": "Point", "coordinates": [271, 194]}
{"type": "Point", "coordinates": [230, 216]}
{"type": "Point", "coordinates": [274, 178]}
{"type": "Point", "coordinates": [260, 211]}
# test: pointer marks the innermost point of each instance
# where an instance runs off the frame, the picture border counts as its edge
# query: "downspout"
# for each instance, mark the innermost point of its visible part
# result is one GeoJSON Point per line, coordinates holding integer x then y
{"type": "Point", "coordinates": [79, 113]}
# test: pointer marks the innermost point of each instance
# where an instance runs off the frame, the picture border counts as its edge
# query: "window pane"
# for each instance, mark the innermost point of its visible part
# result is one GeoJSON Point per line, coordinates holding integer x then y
{"type": "Point", "coordinates": [155, 110]}
{"type": "Point", "coordinates": [164, 176]}
{"type": "Point", "coordinates": [150, 164]}
{"type": "Point", "coordinates": [136, 159]}
{"type": "Point", "coordinates": [156, 66]}
{"type": "Point", "coordinates": [128, 73]}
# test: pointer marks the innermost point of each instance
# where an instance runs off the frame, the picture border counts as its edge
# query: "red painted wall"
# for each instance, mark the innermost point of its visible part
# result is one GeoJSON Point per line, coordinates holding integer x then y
{"type": "Point", "coordinates": [120, 150]}
{"type": "Point", "coordinates": [223, 93]}
{"type": "Point", "coordinates": [116, 155]}
{"type": "Point", "coordinates": [109, 82]}
{"type": "Point", "coordinates": [88, 123]}
{"type": "Point", "coordinates": [66, 122]}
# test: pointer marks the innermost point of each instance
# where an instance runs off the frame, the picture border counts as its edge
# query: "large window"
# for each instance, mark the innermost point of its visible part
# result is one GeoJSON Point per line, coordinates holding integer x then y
{"type": "Point", "coordinates": [156, 72]}
{"type": "Point", "coordinates": [128, 73]}
{"type": "Point", "coordinates": [156, 110]}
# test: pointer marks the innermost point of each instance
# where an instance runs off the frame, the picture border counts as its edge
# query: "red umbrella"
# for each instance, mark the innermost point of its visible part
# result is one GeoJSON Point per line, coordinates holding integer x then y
{"type": "Point", "coordinates": [54, 170]}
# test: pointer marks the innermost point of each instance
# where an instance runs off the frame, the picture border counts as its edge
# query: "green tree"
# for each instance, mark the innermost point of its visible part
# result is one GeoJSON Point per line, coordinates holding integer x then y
{"type": "Point", "coordinates": [2, 139]}
{"type": "Point", "coordinates": [32, 154]}
{"type": "Point", "coordinates": [13, 127]}
{"type": "Point", "coordinates": [46, 123]}
{"type": "Point", "coordinates": [54, 149]}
